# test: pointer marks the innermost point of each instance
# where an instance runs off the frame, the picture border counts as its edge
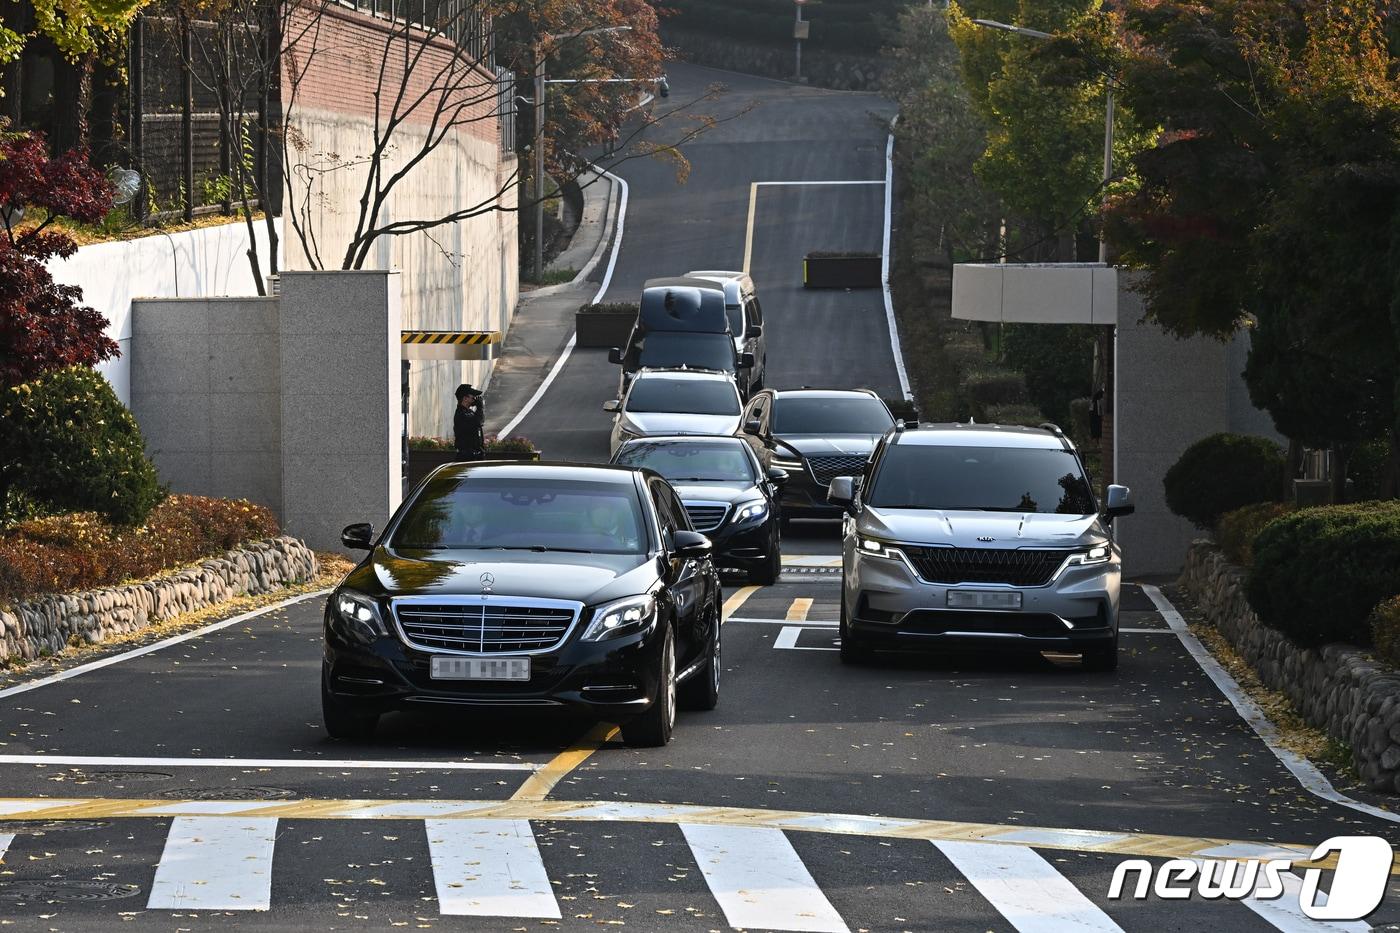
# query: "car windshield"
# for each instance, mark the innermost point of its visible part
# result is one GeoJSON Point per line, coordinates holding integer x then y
{"type": "Point", "coordinates": [663, 350]}
{"type": "Point", "coordinates": [683, 396]}
{"type": "Point", "coordinates": [815, 414]}
{"type": "Point", "coordinates": [991, 479]}
{"type": "Point", "coordinates": [545, 514]}
{"type": "Point", "coordinates": [692, 462]}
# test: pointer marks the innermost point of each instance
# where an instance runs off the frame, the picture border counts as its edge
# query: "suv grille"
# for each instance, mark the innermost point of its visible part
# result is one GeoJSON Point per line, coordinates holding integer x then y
{"type": "Point", "coordinates": [984, 565]}
{"type": "Point", "coordinates": [706, 516]}
{"type": "Point", "coordinates": [484, 625]}
{"type": "Point", "coordinates": [827, 467]}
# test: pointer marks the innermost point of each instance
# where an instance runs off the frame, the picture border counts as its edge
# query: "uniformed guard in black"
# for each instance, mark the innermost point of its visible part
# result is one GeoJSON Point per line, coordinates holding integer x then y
{"type": "Point", "coordinates": [467, 422]}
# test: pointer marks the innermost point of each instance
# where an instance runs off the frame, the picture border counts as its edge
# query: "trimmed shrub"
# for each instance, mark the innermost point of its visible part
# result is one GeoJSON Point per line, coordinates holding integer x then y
{"type": "Point", "coordinates": [993, 387]}
{"type": "Point", "coordinates": [67, 443]}
{"type": "Point", "coordinates": [1058, 360]}
{"type": "Point", "coordinates": [80, 550]}
{"type": "Point", "coordinates": [1236, 530]}
{"type": "Point", "coordinates": [1221, 473]}
{"type": "Point", "coordinates": [1319, 572]}
{"type": "Point", "coordinates": [610, 307]}
{"type": "Point", "coordinates": [1368, 468]}
{"type": "Point", "coordinates": [1027, 415]}
{"type": "Point", "coordinates": [902, 409]}
{"type": "Point", "coordinates": [1385, 630]}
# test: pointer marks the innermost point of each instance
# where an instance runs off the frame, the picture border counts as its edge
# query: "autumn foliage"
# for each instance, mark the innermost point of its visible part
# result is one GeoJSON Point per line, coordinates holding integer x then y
{"type": "Point", "coordinates": [43, 325]}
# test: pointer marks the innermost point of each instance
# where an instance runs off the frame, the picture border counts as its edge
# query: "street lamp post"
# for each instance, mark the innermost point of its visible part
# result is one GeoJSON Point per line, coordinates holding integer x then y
{"type": "Point", "coordinates": [540, 84]}
{"type": "Point", "coordinates": [799, 32]}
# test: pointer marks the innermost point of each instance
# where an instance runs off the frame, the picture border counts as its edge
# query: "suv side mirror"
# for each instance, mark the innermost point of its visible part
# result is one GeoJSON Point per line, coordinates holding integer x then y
{"type": "Point", "coordinates": [753, 426]}
{"type": "Point", "coordinates": [1120, 502]}
{"type": "Point", "coordinates": [777, 476]}
{"type": "Point", "coordinates": [611, 404]}
{"type": "Point", "coordinates": [842, 492]}
{"type": "Point", "coordinates": [691, 545]}
{"type": "Point", "coordinates": [358, 537]}
{"type": "Point", "coordinates": [615, 355]}
{"type": "Point", "coordinates": [754, 330]}
{"type": "Point", "coordinates": [746, 361]}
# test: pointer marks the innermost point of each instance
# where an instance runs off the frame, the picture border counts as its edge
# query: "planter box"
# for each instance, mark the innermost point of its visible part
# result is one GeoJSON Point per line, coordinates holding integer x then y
{"type": "Point", "coordinates": [423, 462]}
{"type": "Point", "coordinates": [841, 271]}
{"type": "Point", "coordinates": [604, 329]}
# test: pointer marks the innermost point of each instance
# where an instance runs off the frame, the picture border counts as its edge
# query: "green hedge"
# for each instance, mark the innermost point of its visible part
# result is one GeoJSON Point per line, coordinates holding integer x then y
{"type": "Point", "coordinates": [1221, 473]}
{"type": "Point", "coordinates": [1385, 630]}
{"type": "Point", "coordinates": [1237, 530]}
{"type": "Point", "coordinates": [994, 387]}
{"type": "Point", "coordinates": [1319, 573]}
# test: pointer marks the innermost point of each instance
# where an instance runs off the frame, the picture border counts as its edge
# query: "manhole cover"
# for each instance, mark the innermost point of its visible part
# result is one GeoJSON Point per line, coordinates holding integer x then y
{"type": "Point", "coordinates": [40, 827]}
{"type": "Point", "coordinates": [58, 890]}
{"type": "Point", "coordinates": [232, 792]}
{"type": "Point", "coordinates": [121, 777]}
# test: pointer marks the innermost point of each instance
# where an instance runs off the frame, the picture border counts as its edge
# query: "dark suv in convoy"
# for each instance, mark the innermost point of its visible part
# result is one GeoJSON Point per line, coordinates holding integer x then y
{"type": "Point", "coordinates": [815, 435]}
{"type": "Point", "coordinates": [683, 322]}
{"type": "Point", "coordinates": [729, 496]}
{"type": "Point", "coordinates": [527, 585]}
{"type": "Point", "coordinates": [979, 536]}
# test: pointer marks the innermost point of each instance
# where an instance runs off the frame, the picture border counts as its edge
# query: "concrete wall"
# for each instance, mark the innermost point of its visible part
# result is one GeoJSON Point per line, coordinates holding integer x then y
{"type": "Point", "coordinates": [211, 261]}
{"type": "Point", "coordinates": [1171, 393]}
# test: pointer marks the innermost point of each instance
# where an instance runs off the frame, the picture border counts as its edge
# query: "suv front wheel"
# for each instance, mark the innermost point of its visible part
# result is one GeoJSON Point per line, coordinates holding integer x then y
{"type": "Point", "coordinates": [1102, 659]}
{"type": "Point", "coordinates": [853, 650]}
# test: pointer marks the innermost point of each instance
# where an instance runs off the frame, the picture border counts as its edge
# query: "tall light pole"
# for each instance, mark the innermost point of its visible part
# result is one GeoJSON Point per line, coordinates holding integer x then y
{"type": "Point", "coordinates": [799, 32]}
{"type": "Point", "coordinates": [540, 85]}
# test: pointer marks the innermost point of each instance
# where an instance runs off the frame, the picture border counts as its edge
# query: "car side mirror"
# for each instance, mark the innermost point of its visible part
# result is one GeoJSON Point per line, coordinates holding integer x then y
{"type": "Point", "coordinates": [754, 330]}
{"type": "Point", "coordinates": [842, 492]}
{"type": "Point", "coordinates": [1120, 502]}
{"type": "Point", "coordinates": [753, 426]}
{"type": "Point", "coordinates": [777, 476]}
{"type": "Point", "coordinates": [611, 404]}
{"type": "Point", "coordinates": [615, 355]}
{"type": "Point", "coordinates": [912, 423]}
{"type": "Point", "coordinates": [746, 361]}
{"type": "Point", "coordinates": [358, 537]}
{"type": "Point", "coordinates": [691, 545]}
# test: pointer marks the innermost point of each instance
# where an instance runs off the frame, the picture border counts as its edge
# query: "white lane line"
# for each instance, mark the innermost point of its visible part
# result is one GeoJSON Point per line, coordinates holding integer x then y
{"type": "Point", "coordinates": [489, 868]}
{"type": "Point", "coordinates": [1313, 780]}
{"type": "Point", "coordinates": [1026, 889]}
{"type": "Point", "coordinates": [1284, 912]}
{"type": "Point", "coordinates": [758, 879]}
{"type": "Point", "coordinates": [312, 763]}
{"type": "Point", "coordinates": [573, 338]}
{"type": "Point", "coordinates": [885, 269]}
{"type": "Point", "coordinates": [215, 863]}
{"type": "Point", "coordinates": [154, 647]}
{"type": "Point", "coordinates": [787, 638]}
{"type": "Point", "coordinates": [1144, 631]}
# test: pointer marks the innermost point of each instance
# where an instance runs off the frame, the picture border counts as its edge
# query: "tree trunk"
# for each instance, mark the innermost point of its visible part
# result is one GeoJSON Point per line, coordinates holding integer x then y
{"type": "Point", "coordinates": [1340, 455]}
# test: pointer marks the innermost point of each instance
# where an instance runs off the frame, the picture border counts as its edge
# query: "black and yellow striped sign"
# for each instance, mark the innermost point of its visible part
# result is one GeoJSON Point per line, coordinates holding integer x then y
{"type": "Point", "coordinates": [452, 337]}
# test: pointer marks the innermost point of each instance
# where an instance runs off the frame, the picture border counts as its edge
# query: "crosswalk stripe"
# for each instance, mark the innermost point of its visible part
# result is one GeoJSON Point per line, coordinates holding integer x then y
{"type": "Point", "coordinates": [1285, 914]}
{"type": "Point", "coordinates": [215, 863]}
{"type": "Point", "coordinates": [758, 879]}
{"type": "Point", "coordinates": [787, 638]}
{"type": "Point", "coordinates": [797, 612]}
{"type": "Point", "coordinates": [5, 840]}
{"type": "Point", "coordinates": [489, 868]}
{"type": "Point", "coordinates": [1026, 889]}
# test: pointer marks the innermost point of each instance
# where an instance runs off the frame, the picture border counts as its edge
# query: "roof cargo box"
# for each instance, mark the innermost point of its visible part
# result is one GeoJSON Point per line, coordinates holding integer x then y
{"type": "Point", "coordinates": [682, 304]}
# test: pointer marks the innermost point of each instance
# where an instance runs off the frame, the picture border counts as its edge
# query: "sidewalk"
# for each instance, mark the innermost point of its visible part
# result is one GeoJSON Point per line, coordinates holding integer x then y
{"type": "Point", "coordinates": [544, 317]}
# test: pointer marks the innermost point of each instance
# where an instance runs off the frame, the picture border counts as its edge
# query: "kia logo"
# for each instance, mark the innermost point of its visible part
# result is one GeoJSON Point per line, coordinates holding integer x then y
{"type": "Point", "coordinates": [986, 538]}
{"type": "Point", "coordinates": [488, 580]}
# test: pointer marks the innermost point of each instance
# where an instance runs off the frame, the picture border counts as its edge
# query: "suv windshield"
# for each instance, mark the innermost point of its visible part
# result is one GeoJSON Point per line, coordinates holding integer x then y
{"type": "Point", "coordinates": [693, 462]}
{"type": "Point", "coordinates": [523, 514]}
{"type": "Point", "coordinates": [850, 414]}
{"type": "Point", "coordinates": [683, 396]}
{"type": "Point", "coordinates": [662, 350]}
{"type": "Point", "coordinates": [993, 479]}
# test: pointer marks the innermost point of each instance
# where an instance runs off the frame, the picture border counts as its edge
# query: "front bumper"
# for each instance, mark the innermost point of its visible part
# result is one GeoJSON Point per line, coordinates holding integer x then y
{"type": "Point", "coordinates": [888, 605]}
{"type": "Point", "coordinates": [804, 497]}
{"type": "Point", "coordinates": [743, 547]}
{"type": "Point", "coordinates": [613, 679]}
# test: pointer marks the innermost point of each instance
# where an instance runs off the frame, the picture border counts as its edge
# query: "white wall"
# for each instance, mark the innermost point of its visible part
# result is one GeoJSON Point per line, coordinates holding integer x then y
{"type": "Point", "coordinates": [206, 263]}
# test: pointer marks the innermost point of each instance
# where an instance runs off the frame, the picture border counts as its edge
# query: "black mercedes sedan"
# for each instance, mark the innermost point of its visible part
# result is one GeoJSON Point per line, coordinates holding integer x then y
{"type": "Point", "coordinates": [729, 495]}
{"type": "Point", "coordinates": [527, 585]}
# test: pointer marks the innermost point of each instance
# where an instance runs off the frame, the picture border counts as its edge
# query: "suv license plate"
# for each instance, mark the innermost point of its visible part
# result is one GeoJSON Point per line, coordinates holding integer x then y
{"type": "Point", "coordinates": [983, 599]}
{"type": "Point", "coordinates": [440, 668]}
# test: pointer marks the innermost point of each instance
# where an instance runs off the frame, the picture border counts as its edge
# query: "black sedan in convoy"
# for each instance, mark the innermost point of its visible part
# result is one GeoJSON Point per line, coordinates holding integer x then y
{"type": "Point", "coordinates": [815, 435]}
{"type": "Point", "coordinates": [729, 495]}
{"type": "Point", "coordinates": [527, 585]}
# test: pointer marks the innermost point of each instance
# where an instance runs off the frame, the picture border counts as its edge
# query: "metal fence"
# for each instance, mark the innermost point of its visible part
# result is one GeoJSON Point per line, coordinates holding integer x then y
{"type": "Point", "coordinates": [506, 107]}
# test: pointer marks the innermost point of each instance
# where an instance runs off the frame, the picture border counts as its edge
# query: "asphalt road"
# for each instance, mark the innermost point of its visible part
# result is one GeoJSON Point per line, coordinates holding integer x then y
{"type": "Point", "coordinates": [193, 787]}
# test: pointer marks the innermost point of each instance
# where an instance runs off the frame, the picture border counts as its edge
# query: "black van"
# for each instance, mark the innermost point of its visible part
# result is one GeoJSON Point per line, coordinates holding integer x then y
{"type": "Point", "coordinates": [682, 322]}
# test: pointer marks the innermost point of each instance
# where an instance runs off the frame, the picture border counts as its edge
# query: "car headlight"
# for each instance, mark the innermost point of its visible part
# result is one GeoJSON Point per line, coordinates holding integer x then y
{"type": "Point", "coordinates": [621, 617]}
{"type": "Point", "coordinates": [750, 511]}
{"type": "Point", "coordinates": [874, 547]}
{"type": "Point", "coordinates": [787, 463]}
{"type": "Point", "coordinates": [360, 613]}
{"type": "Point", "coordinates": [1098, 554]}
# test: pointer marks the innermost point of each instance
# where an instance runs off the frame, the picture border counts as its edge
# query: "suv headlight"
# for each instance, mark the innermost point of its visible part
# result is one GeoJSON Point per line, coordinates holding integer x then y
{"type": "Point", "coordinates": [621, 617]}
{"type": "Point", "coordinates": [359, 613]}
{"type": "Point", "coordinates": [1098, 554]}
{"type": "Point", "coordinates": [751, 511]}
{"type": "Point", "coordinates": [874, 547]}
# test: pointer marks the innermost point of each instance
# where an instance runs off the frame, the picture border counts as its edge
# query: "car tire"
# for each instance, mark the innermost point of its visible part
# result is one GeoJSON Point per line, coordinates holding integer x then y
{"type": "Point", "coordinates": [701, 691]}
{"type": "Point", "coordinates": [653, 728]}
{"type": "Point", "coordinates": [344, 722]}
{"type": "Point", "coordinates": [1103, 659]}
{"type": "Point", "coordinates": [853, 650]}
{"type": "Point", "coordinates": [772, 569]}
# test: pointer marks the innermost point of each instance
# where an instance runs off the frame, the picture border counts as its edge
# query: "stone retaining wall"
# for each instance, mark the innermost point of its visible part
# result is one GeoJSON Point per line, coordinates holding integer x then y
{"type": "Point", "coordinates": [1337, 688]}
{"type": "Point", "coordinates": [47, 624]}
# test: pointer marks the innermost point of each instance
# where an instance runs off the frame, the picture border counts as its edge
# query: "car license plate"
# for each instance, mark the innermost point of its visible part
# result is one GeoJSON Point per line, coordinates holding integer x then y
{"type": "Point", "coordinates": [983, 599]}
{"type": "Point", "coordinates": [479, 668]}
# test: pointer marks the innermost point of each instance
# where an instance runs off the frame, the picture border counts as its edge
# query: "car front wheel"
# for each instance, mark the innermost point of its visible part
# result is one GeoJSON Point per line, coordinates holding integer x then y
{"type": "Point", "coordinates": [1102, 659]}
{"type": "Point", "coordinates": [344, 722]}
{"type": "Point", "coordinates": [853, 650]}
{"type": "Point", "coordinates": [701, 691]}
{"type": "Point", "coordinates": [653, 728]}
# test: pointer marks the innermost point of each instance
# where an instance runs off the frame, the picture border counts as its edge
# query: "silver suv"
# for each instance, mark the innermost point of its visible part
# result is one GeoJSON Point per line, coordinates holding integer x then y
{"type": "Point", "coordinates": [980, 536]}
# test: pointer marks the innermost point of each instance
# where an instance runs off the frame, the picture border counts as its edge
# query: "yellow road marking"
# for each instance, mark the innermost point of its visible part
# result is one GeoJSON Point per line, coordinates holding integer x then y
{"type": "Point", "coordinates": [748, 231]}
{"type": "Point", "coordinates": [736, 600]}
{"type": "Point", "coordinates": [797, 612]}
{"type": "Point", "coordinates": [539, 785]}
{"type": "Point", "coordinates": [1144, 845]}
